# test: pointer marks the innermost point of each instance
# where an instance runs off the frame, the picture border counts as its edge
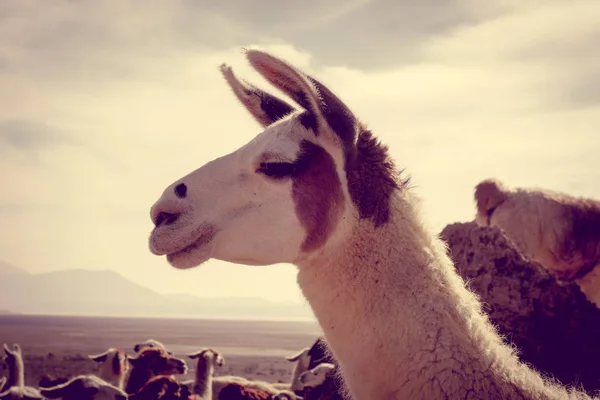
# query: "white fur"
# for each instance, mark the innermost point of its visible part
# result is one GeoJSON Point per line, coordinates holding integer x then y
{"type": "Point", "coordinates": [98, 388]}
{"type": "Point", "coordinates": [106, 369]}
{"type": "Point", "coordinates": [396, 315]}
{"type": "Point", "coordinates": [317, 375]}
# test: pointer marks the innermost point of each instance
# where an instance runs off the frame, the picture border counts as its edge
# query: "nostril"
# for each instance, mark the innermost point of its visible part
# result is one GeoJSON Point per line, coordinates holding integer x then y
{"type": "Point", "coordinates": [163, 218]}
{"type": "Point", "coordinates": [181, 190]}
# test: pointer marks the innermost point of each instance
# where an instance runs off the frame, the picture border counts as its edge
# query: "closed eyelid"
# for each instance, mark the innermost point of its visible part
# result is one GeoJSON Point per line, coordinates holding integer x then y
{"type": "Point", "coordinates": [267, 158]}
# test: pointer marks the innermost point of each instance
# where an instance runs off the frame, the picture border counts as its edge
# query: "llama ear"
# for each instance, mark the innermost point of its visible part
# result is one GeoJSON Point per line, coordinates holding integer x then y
{"type": "Point", "coordinates": [195, 354]}
{"type": "Point", "coordinates": [296, 356]}
{"type": "Point", "coordinates": [99, 357]}
{"type": "Point", "coordinates": [324, 107]}
{"type": "Point", "coordinates": [264, 107]}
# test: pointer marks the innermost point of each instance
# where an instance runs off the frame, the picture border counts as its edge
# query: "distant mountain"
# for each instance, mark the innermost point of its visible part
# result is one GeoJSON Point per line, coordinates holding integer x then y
{"type": "Point", "coordinates": [108, 293]}
{"type": "Point", "coordinates": [8, 269]}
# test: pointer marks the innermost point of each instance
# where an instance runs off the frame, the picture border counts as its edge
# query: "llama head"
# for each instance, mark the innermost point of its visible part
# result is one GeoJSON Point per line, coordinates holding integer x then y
{"type": "Point", "coordinates": [317, 375]}
{"type": "Point", "coordinates": [489, 194]}
{"type": "Point", "coordinates": [116, 358]}
{"type": "Point", "coordinates": [287, 194]}
{"type": "Point", "coordinates": [149, 343]}
{"type": "Point", "coordinates": [13, 356]}
{"type": "Point", "coordinates": [301, 355]}
{"type": "Point", "coordinates": [159, 361]}
{"type": "Point", "coordinates": [209, 356]}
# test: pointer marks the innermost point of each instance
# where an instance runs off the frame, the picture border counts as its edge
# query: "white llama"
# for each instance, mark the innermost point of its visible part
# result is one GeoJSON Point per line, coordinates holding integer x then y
{"type": "Point", "coordinates": [114, 366]}
{"type": "Point", "coordinates": [318, 190]}
{"type": "Point", "coordinates": [559, 231]}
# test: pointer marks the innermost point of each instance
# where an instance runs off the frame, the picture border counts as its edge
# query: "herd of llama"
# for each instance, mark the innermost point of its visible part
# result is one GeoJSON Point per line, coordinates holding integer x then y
{"type": "Point", "coordinates": [151, 374]}
{"type": "Point", "coordinates": [318, 190]}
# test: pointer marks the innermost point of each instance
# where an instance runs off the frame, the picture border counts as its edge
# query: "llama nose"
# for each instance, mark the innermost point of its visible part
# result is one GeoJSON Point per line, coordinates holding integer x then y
{"type": "Point", "coordinates": [164, 218]}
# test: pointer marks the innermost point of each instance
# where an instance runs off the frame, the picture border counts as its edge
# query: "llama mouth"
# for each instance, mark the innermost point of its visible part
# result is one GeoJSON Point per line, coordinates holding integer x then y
{"type": "Point", "coordinates": [208, 233]}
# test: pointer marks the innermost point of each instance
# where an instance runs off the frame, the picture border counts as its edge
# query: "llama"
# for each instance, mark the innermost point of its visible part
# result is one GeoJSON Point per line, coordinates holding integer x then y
{"type": "Point", "coordinates": [16, 368]}
{"type": "Point", "coordinates": [149, 363]}
{"type": "Point", "coordinates": [207, 386]}
{"type": "Point", "coordinates": [302, 360]}
{"type": "Point", "coordinates": [317, 375]}
{"type": "Point", "coordinates": [208, 359]}
{"type": "Point", "coordinates": [114, 366]}
{"type": "Point", "coordinates": [149, 343]}
{"type": "Point", "coordinates": [162, 387]}
{"type": "Point", "coordinates": [14, 387]}
{"type": "Point", "coordinates": [322, 383]}
{"type": "Point", "coordinates": [318, 190]}
{"type": "Point", "coordinates": [88, 387]}
{"type": "Point", "coordinates": [559, 231]}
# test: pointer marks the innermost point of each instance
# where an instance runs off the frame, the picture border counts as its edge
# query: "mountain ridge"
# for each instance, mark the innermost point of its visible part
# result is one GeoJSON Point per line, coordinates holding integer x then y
{"type": "Point", "coordinates": [107, 292]}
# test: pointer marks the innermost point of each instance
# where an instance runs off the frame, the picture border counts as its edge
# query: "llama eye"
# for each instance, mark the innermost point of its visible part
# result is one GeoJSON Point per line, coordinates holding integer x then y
{"type": "Point", "coordinates": [277, 170]}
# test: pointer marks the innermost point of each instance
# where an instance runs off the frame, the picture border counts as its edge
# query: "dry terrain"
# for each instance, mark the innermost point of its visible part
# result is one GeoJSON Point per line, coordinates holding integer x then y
{"type": "Point", "coordinates": [59, 345]}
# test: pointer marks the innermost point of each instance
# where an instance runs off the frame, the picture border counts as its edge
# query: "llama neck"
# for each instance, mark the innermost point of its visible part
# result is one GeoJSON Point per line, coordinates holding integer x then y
{"type": "Point", "coordinates": [400, 321]}
{"type": "Point", "coordinates": [16, 375]}
{"type": "Point", "coordinates": [138, 376]}
{"type": "Point", "coordinates": [299, 368]}
{"type": "Point", "coordinates": [109, 374]}
{"type": "Point", "coordinates": [203, 382]}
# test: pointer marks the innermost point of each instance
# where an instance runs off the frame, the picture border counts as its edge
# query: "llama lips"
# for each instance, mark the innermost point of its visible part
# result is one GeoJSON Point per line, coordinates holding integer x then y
{"type": "Point", "coordinates": [195, 253]}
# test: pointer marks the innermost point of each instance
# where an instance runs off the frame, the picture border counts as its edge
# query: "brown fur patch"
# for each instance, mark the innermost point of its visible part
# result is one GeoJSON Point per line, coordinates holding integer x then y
{"type": "Point", "coordinates": [317, 193]}
{"type": "Point", "coordinates": [581, 241]}
{"type": "Point", "coordinates": [372, 178]}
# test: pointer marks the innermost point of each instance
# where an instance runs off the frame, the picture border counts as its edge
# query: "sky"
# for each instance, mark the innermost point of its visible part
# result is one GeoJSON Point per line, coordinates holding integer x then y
{"type": "Point", "coordinates": [104, 104]}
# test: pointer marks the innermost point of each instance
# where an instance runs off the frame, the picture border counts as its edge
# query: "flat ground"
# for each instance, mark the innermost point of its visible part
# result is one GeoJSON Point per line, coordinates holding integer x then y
{"type": "Point", "coordinates": [60, 345]}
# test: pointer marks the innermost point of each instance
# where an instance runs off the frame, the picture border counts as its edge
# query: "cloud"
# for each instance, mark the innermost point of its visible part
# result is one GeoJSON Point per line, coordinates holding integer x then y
{"type": "Point", "coordinates": [118, 101]}
{"type": "Point", "coordinates": [29, 135]}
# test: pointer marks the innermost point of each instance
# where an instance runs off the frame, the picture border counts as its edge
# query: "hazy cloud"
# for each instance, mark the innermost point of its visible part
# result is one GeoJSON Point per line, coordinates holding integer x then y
{"type": "Point", "coordinates": [30, 135]}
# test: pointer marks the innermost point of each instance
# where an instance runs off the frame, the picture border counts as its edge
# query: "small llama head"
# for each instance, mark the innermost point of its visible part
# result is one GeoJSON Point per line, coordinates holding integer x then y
{"type": "Point", "coordinates": [209, 356]}
{"type": "Point", "coordinates": [159, 361]}
{"type": "Point", "coordinates": [317, 375]}
{"type": "Point", "coordinates": [290, 192]}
